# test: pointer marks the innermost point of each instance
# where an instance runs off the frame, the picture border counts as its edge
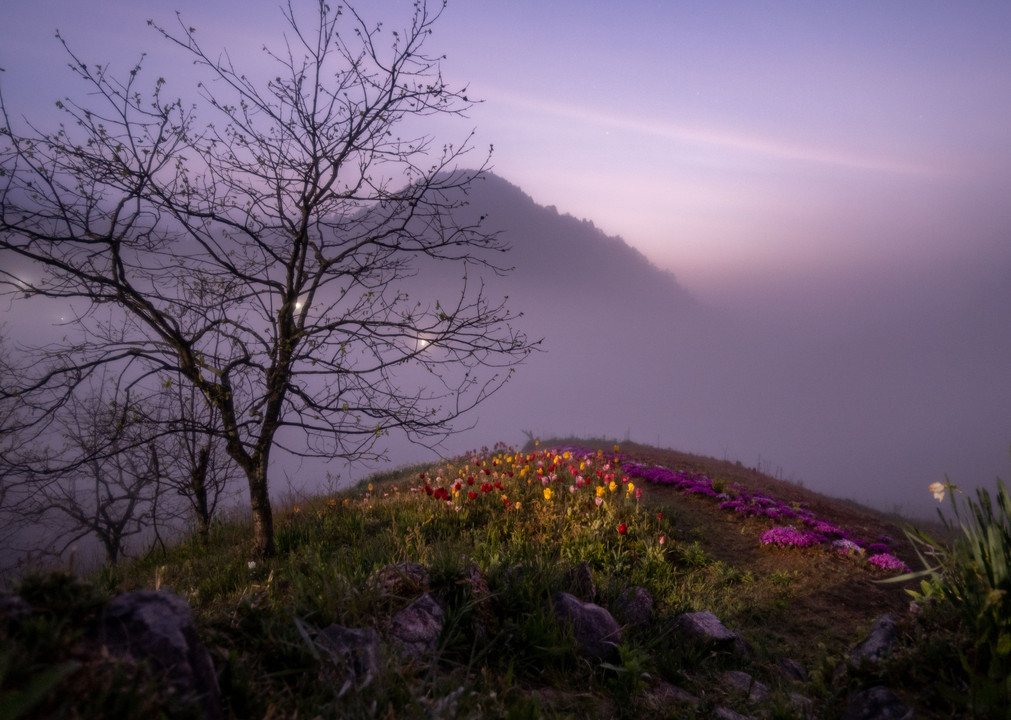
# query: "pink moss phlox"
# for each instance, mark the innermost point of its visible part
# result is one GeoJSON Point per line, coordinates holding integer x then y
{"type": "Point", "coordinates": [789, 536]}
{"type": "Point", "coordinates": [886, 561]}
{"type": "Point", "coordinates": [847, 547]}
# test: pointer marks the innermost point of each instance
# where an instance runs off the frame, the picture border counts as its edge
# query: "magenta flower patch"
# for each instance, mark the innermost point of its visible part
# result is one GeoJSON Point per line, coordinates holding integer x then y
{"type": "Point", "coordinates": [788, 536]}
{"type": "Point", "coordinates": [741, 501]}
{"type": "Point", "coordinates": [885, 561]}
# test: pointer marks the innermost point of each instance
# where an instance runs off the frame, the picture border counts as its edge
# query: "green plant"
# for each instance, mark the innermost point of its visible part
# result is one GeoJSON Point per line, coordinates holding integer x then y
{"type": "Point", "coordinates": [973, 576]}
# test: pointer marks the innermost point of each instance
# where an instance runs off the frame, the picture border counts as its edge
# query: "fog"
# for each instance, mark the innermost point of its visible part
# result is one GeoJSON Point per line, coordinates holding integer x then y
{"type": "Point", "coordinates": [825, 190]}
{"type": "Point", "coordinates": [867, 384]}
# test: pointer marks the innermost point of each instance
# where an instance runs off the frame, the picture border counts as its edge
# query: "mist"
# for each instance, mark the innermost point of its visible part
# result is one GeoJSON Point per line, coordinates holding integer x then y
{"type": "Point", "coordinates": [818, 198]}
{"type": "Point", "coordinates": [867, 384]}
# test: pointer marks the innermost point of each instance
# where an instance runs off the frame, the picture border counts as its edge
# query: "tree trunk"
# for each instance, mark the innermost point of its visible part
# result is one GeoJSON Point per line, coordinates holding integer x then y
{"type": "Point", "coordinates": [263, 518]}
{"type": "Point", "coordinates": [198, 486]}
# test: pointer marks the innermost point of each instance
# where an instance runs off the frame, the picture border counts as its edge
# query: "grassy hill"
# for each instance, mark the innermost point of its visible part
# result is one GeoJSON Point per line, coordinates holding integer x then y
{"type": "Point", "coordinates": [698, 539]}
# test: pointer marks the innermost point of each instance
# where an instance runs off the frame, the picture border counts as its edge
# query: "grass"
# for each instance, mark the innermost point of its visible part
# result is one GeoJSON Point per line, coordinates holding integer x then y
{"type": "Point", "coordinates": [513, 515]}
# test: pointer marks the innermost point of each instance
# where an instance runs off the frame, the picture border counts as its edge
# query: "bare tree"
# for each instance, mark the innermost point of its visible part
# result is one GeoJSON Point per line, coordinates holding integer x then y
{"type": "Point", "coordinates": [191, 460]}
{"type": "Point", "coordinates": [98, 477]}
{"type": "Point", "coordinates": [261, 251]}
{"type": "Point", "coordinates": [10, 482]}
{"type": "Point", "coordinates": [112, 465]}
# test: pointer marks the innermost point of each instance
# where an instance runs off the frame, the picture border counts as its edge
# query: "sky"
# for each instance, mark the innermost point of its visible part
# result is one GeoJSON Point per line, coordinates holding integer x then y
{"type": "Point", "coordinates": [821, 169]}
{"type": "Point", "coordinates": [741, 145]}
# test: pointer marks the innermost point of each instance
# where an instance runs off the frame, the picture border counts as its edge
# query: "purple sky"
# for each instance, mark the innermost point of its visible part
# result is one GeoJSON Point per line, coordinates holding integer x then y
{"type": "Point", "coordinates": [829, 168]}
{"type": "Point", "coordinates": [738, 144]}
{"type": "Point", "coordinates": [733, 140]}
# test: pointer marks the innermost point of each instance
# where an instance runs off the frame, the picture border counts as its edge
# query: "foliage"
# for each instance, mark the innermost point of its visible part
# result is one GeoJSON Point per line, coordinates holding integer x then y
{"type": "Point", "coordinates": [972, 576]}
{"type": "Point", "coordinates": [45, 674]}
{"type": "Point", "coordinates": [814, 531]}
{"type": "Point", "coordinates": [524, 519]}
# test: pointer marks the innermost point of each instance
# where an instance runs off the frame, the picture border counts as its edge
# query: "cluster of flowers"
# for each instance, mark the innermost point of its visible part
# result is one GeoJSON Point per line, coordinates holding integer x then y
{"type": "Point", "coordinates": [813, 531]}
{"type": "Point", "coordinates": [787, 536]}
{"type": "Point", "coordinates": [441, 492]}
{"type": "Point", "coordinates": [684, 481]}
{"type": "Point", "coordinates": [510, 477]}
{"type": "Point", "coordinates": [887, 561]}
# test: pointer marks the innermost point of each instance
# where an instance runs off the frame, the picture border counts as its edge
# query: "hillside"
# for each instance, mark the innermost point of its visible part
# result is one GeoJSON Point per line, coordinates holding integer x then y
{"type": "Point", "coordinates": [870, 392]}
{"type": "Point", "coordinates": [441, 592]}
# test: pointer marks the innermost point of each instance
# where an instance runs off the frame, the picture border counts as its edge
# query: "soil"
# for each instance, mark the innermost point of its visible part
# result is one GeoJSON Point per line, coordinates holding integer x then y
{"type": "Point", "coordinates": [832, 599]}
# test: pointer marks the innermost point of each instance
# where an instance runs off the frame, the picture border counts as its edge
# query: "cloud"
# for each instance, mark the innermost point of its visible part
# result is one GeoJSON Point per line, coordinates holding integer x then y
{"type": "Point", "coordinates": [754, 144]}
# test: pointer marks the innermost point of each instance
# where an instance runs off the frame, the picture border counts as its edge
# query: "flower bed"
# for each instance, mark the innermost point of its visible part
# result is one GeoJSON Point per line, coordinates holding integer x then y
{"type": "Point", "coordinates": [589, 479]}
{"type": "Point", "coordinates": [812, 531]}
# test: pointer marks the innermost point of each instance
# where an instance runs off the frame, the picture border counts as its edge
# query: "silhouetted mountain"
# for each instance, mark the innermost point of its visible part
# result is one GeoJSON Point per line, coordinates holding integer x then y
{"type": "Point", "coordinates": [869, 396]}
{"type": "Point", "coordinates": [621, 337]}
{"type": "Point", "coordinates": [563, 266]}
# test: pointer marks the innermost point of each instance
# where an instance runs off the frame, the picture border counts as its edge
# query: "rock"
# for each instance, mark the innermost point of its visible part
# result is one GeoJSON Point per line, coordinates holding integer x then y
{"type": "Point", "coordinates": [576, 704]}
{"type": "Point", "coordinates": [727, 714]}
{"type": "Point", "coordinates": [14, 608]}
{"type": "Point", "coordinates": [706, 626]}
{"type": "Point", "coordinates": [157, 627]}
{"type": "Point", "coordinates": [417, 627]}
{"type": "Point", "coordinates": [663, 694]}
{"type": "Point", "coordinates": [581, 582]}
{"type": "Point", "coordinates": [402, 580]}
{"type": "Point", "coordinates": [486, 620]}
{"type": "Point", "coordinates": [356, 651]}
{"type": "Point", "coordinates": [793, 669]}
{"type": "Point", "coordinates": [596, 631]}
{"type": "Point", "coordinates": [877, 703]}
{"type": "Point", "coordinates": [635, 606]}
{"type": "Point", "coordinates": [878, 644]}
{"type": "Point", "coordinates": [744, 683]}
{"type": "Point", "coordinates": [802, 706]}
{"type": "Point", "coordinates": [514, 576]}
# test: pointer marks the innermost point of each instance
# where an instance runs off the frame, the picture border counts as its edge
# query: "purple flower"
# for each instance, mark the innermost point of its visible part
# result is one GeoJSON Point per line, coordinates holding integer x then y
{"type": "Point", "coordinates": [846, 547]}
{"type": "Point", "coordinates": [820, 526]}
{"type": "Point", "coordinates": [888, 562]}
{"type": "Point", "coordinates": [787, 536]}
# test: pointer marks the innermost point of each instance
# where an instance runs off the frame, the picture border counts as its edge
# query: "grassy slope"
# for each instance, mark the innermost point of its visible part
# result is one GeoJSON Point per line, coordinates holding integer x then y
{"type": "Point", "coordinates": [831, 600]}
{"type": "Point", "coordinates": [808, 605]}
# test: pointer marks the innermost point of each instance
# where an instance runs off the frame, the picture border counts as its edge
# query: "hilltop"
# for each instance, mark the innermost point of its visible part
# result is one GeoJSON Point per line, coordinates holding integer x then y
{"type": "Point", "coordinates": [452, 576]}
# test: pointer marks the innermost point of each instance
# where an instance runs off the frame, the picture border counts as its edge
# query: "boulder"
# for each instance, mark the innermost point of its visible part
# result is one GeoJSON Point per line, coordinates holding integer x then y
{"type": "Point", "coordinates": [402, 580]}
{"type": "Point", "coordinates": [877, 703]}
{"type": "Point", "coordinates": [878, 644]}
{"type": "Point", "coordinates": [801, 705]}
{"type": "Point", "coordinates": [14, 608]}
{"type": "Point", "coordinates": [707, 627]}
{"type": "Point", "coordinates": [157, 627]}
{"type": "Point", "coordinates": [743, 683]}
{"type": "Point", "coordinates": [635, 606]}
{"type": "Point", "coordinates": [417, 627]}
{"type": "Point", "coordinates": [485, 619]}
{"type": "Point", "coordinates": [595, 630]}
{"type": "Point", "coordinates": [355, 651]}
{"type": "Point", "coordinates": [664, 693]}
{"type": "Point", "coordinates": [581, 582]}
{"type": "Point", "coordinates": [793, 670]}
